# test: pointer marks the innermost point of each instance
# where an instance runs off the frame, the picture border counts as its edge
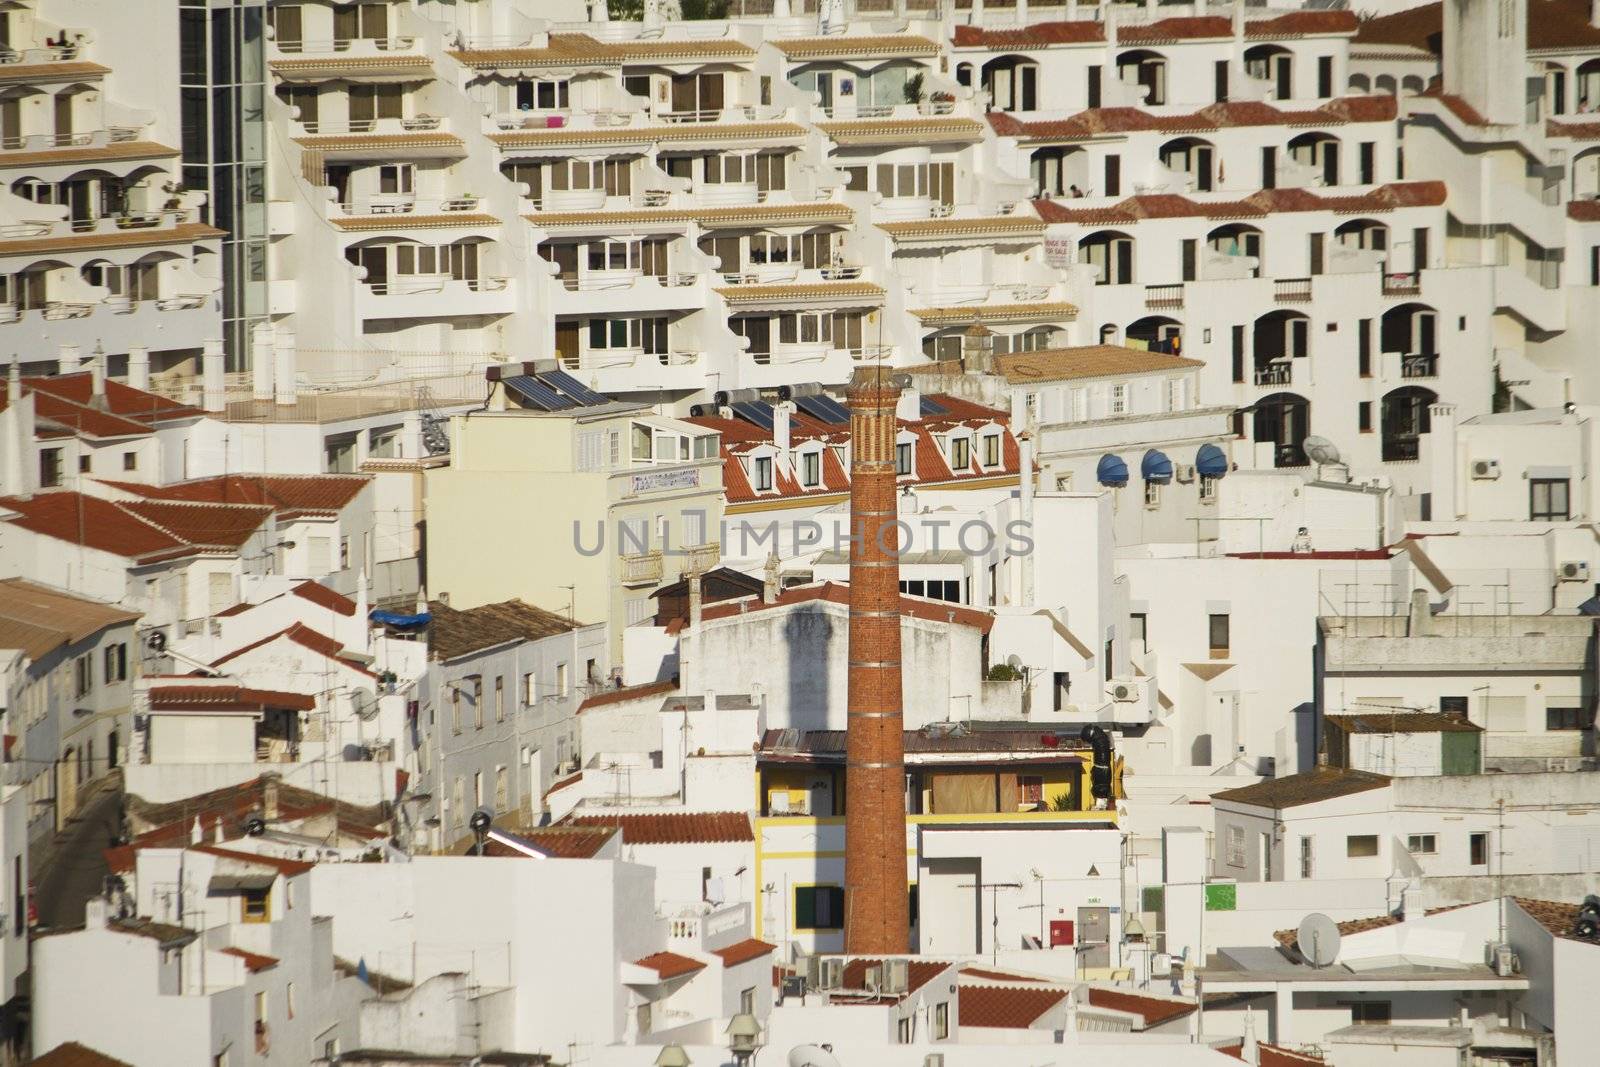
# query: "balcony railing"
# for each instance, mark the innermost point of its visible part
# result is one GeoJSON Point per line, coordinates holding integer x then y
{"type": "Point", "coordinates": [406, 204]}
{"type": "Point", "coordinates": [1163, 296]}
{"type": "Point", "coordinates": [1275, 373]}
{"type": "Point", "coordinates": [1419, 365]}
{"type": "Point", "coordinates": [417, 284]}
{"type": "Point", "coordinates": [645, 568]}
{"type": "Point", "coordinates": [414, 124]}
{"type": "Point", "coordinates": [1291, 290]}
{"type": "Point", "coordinates": [1401, 448]}
{"type": "Point", "coordinates": [345, 44]}
{"type": "Point", "coordinates": [1408, 283]}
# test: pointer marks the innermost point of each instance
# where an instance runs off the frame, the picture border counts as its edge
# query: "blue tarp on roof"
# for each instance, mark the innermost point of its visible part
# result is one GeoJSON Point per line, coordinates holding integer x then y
{"type": "Point", "coordinates": [1156, 467]}
{"type": "Point", "coordinates": [1111, 471]}
{"type": "Point", "coordinates": [395, 618]}
{"type": "Point", "coordinates": [1211, 461]}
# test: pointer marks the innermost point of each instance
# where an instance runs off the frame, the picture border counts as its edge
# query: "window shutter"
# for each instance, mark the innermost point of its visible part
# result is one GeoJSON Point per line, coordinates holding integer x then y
{"type": "Point", "coordinates": [805, 908]}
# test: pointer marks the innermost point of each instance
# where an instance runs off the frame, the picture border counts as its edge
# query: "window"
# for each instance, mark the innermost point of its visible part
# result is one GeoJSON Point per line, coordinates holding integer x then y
{"type": "Point", "coordinates": [810, 468]}
{"type": "Point", "coordinates": [902, 459]}
{"type": "Point", "coordinates": [530, 689]}
{"type": "Point", "coordinates": [477, 789]}
{"type": "Point", "coordinates": [1478, 849]}
{"type": "Point", "coordinates": [908, 1029]}
{"type": "Point", "coordinates": [648, 335]}
{"type": "Point", "coordinates": [1119, 399]}
{"type": "Point", "coordinates": [1208, 489]}
{"type": "Point", "coordinates": [941, 1021]}
{"type": "Point", "coordinates": [991, 450]}
{"type": "Point", "coordinates": [116, 663]}
{"type": "Point", "coordinates": [344, 553]}
{"type": "Point", "coordinates": [477, 703]}
{"type": "Point", "coordinates": [500, 698]}
{"type": "Point", "coordinates": [1235, 846]}
{"type": "Point", "coordinates": [1030, 789]}
{"type": "Point", "coordinates": [455, 708]}
{"type": "Point", "coordinates": [1456, 706]}
{"type": "Point", "coordinates": [49, 468]}
{"type": "Point", "coordinates": [1370, 1012]}
{"type": "Point", "coordinates": [561, 679]}
{"type": "Point", "coordinates": [1361, 846]}
{"type": "Point", "coordinates": [1306, 860]}
{"type": "Point", "coordinates": [255, 905]}
{"type": "Point", "coordinates": [130, 461]}
{"type": "Point", "coordinates": [1364, 416]}
{"type": "Point", "coordinates": [1547, 500]}
{"type": "Point", "coordinates": [1422, 844]}
{"type": "Point", "coordinates": [1152, 494]}
{"type": "Point", "coordinates": [818, 907]}
{"type": "Point", "coordinates": [1565, 719]}
{"type": "Point", "coordinates": [762, 473]}
{"type": "Point", "coordinates": [1217, 630]}
{"type": "Point", "coordinates": [83, 675]}
{"type": "Point", "coordinates": [502, 790]}
{"type": "Point", "coordinates": [747, 1001]}
{"type": "Point", "coordinates": [960, 453]}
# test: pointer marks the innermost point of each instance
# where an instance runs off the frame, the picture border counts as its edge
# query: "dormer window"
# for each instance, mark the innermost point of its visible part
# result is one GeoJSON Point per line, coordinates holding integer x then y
{"type": "Point", "coordinates": [761, 474]}
{"type": "Point", "coordinates": [811, 469]}
{"type": "Point", "coordinates": [991, 450]}
{"type": "Point", "coordinates": [960, 453]}
{"type": "Point", "coordinates": [902, 459]}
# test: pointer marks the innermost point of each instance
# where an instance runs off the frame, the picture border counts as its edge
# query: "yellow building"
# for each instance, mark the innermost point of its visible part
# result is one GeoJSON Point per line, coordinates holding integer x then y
{"type": "Point", "coordinates": [561, 496]}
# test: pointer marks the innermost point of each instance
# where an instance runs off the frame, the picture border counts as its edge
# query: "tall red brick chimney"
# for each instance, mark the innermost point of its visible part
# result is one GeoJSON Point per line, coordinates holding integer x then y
{"type": "Point", "coordinates": [876, 916]}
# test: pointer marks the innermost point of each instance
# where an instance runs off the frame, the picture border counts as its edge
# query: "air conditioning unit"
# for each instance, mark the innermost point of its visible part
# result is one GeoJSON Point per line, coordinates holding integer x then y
{"type": "Point", "coordinates": [1184, 472]}
{"type": "Point", "coordinates": [831, 975]}
{"type": "Point", "coordinates": [1124, 692]}
{"type": "Point", "coordinates": [811, 971]}
{"type": "Point", "coordinates": [1486, 469]}
{"type": "Point", "coordinates": [1574, 570]}
{"type": "Point", "coordinates": [875, 978]}
{"type": "Point", "coordinates": [1506, 962]}
{"type": "Point", "coordinates": [896, 976]}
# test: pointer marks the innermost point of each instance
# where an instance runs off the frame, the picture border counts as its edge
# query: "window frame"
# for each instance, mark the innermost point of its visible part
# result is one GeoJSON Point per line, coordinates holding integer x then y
{"type": "Point", "coordinates": [1548, 512]}
{"type": "Point", "coordinates": [834, 911]}
{"type": "Point", "coordinates": [1422, 844]}
{"type": "Point", "coordinates": [1356, 845]}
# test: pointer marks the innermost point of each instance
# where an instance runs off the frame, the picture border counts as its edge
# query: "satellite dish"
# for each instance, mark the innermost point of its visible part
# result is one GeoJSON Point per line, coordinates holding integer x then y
{"type": "Point", "coordinates": [363, 704]}
{"type": "Point", "coordinates": [1320, 450]}
{"type": "Point", "coordinates": [1014, 660]}
{"type": "Point", "coordinates": [1318, 939]}
{"type": "Point", "coordinates": [812, 1056]}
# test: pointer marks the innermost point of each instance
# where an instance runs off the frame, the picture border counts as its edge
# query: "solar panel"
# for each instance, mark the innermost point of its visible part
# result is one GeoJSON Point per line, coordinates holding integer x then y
{"type": "Point", "coordinates": [933, 407]}
{"type": "Point", "coordinates": [569, 385]}
{"type": "Point", "coordinates": [755, 412]}
{"type": "Point", "coordinates": [825, 408]}
{"type": "Point", "coordinates": [539, 394]}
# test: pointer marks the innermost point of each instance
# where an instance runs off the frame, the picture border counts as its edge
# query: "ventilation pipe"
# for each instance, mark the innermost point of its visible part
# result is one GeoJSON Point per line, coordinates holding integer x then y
{"type": "Point", "coordinates": [139, 368]}
{"type": "Point", "coordinates": [283, 366]}
{"type": "Point", "coordinates": [212, 369]}
{"type": "Point", "coordinates": [261, 341]}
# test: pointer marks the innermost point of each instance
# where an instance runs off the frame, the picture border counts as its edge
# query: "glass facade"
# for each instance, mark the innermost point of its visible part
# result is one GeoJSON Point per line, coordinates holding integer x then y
{"type": "Point", "coordinates": [222, 87]}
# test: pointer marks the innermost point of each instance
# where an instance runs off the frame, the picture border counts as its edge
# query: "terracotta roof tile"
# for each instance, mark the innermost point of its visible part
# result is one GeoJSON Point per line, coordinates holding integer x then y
{"type": "Point", "coordinates": [94, 523]}
{"type": "Point", "coordinates": [41, 620]}
{"type": "Point", "coordinates": [919, 973]}
{"type": "Point", "coordinates": [113, 151]}
{"type": "Point", "coordinates": [1554, 916]}
{"type": "Point", "coordinates": [673, 828]}
{"type": "Point", "coordinates": [1087, 361]}
{"type": "Point", "coordinates": [743, 951]}
{"type": "Point", "coordinates": [1229, 114]}
{"type": "Point", "coordinates": [1403, 722]}
{"type": "Point", "coordinates": [285, 494]}
{"type": "Point", "coordinates": [1055, 311]}
{"type": "Point", "coordinates": [79, 242]}
{"type": "Point", "coordinates": [254, 962]}
{"type": "Point", "coordinates": [72, 1054]}
{"type": "Point", "coordinates": [1274, 1056]}
{"type": "Point", "coordinates": [1308, 787]}
{"type": "Point", "coordinates": [927, 130]}
{"type": "Point", "coordinates": [1190, 28]}
{"type": "Point", "coordinates": [403, 221]}
{"type": "Point", "coordinates": [820, 213]}
{"type": "Point", "coordinates": [839, 593]}
{"type": "Point", "coordinates": [455, 633]}
{"type": "Point", "coordinates": [324, 597]}
{"type": "Point", "coordinates": [1153, 1010]}
{"type": "Point", "coordinates": [842, 46]}
{"type": "Point", "coordinates": [57, 70]}
{"type": "Point", "coordinates": [305, 637]}
{"type": "Point", "coordinates": [632, 692]}
{"type": "Point", "coordinates": [830, 292]}
{"type": "Point", "coordinates": [1302, 24]}
{"type": "Point", "coordinates": [1290, 938]}
{"type": "Point", "coordinates": [120, 400]}
{"type": "Point", "coordinates": [994, 225]}
{"type": "Point", "coordinates": [1039, 35]}
{"type": "Point", "coordinates": [997, 976]}
{"type": "Point", "coordinates": [373, 141]}
{"type": "Point", "coordinates": [669, 965]}
{"type": "Point", "coordinates": [555, 842]}
{"type": "Point", "coordinates": [1553, 25]}
{"type": "Point", "coordinates": [211, 525]}
{"type": "Point", "coordinates": [512, 140]}
{"type": "Point", "coordinates": [225, 698]}
{"type": "Point", "coordinates": [1006, 1007]}
{"type": "Point", "coordinates": [345, 66]}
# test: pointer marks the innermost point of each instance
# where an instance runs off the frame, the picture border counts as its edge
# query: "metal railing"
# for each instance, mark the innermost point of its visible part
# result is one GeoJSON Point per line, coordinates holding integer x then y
{"type": "Point", "coordinates": [1291, 290]}
{"type": "Point", "coordinates": [1405, 283]}
{"type": "Point", "coordinates": [1275, 374]}
{"type": "Point", "coordinates": [414, 124]}
{"type": "Point", "coordinates": [1419, 365]}
{"type": "Point", "coordinates": [645, 568]}
{"type": "Point", "coordinates": [344, 44]}
{"type": "Point", "coordinates": [1163, 296]}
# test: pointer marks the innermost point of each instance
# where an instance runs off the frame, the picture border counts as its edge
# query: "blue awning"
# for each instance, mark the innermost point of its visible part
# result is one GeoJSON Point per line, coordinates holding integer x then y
{"type": "Point", "coordinates": [1156, 467]}
{"type": "Point", "coordinates": [395, 618]}
{"type": "Point", "coordinates": [1111, 471]}
{"type": "Point", "coordinates": [1211, 462]}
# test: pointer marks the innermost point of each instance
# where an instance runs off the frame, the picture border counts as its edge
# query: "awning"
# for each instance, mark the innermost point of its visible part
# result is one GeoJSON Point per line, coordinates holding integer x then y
{"type": "Point", "coordinates": [1156, 467]}
{"type": "Point", "coordinates": [238, 883]}
{"type": "Point", "coordinates": [1211, 462]}
{"type": "Point", "coordinates": [1111, 471]}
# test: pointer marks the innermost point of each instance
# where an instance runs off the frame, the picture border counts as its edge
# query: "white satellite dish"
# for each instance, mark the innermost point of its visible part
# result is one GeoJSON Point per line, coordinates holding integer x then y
{"type": "Point", "coordinates": [812, 1056]}
{"type": "Point", "coordinates": [1320, 450]}
{"type": "Point", "coordinates": [1318, 939]}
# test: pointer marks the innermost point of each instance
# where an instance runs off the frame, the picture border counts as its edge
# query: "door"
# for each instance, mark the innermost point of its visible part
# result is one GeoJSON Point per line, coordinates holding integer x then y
{"type": "Point", "coordinates": [1285, 81]}
{"type": "Point", "coordinates": [63, 118]}
{"type": "Point", "coordinates": [1189, 259]}
{"type": "Point", "coordinates": [1419, 248]}
{"type": "Point", "coordinates": [1266, 856]}
{"type": "Point", "coordinates": [337, 176]}
{"type": "Point", "coordinates": [1316, 253]}
{"type": "Point", "coordinates": [825, 90]}
{"type": "Point", "coordinates": [1094, 937]}
{"type": "Point", "coordinates": [1330, 163]}
{"type": "Point", "coordinates": [567, 347]}
{"type": "Point", "coordinates": [683, 93]}
{"type": "Point", "coordinates": [11, 122]}
{"type": "Point", "coordinates": [1124, 268]}
{"type": "Point", "coordinates": [1269, 168]}
{"type": "Point", "coordinates": [711, 94]}
{"type": "Point", "coordinates": [376, 261]}
{"type": "Point", "coordinates": [1113, 176]}
{"type": "Point", "coordinates": [1203, 168]}
{"type": "Point", "coordinates": [1221, 79]}
{"type": "Point", "coordinates": [759, 331]}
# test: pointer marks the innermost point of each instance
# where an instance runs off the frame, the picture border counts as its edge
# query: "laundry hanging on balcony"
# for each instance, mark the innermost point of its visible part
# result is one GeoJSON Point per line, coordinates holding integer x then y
{"type": "Point", "coordinates": [1112, 471]}
{"type": "Point", "coordinates": [1156, 467]}
{"type": "Point", "coordinates": [1211, 462]}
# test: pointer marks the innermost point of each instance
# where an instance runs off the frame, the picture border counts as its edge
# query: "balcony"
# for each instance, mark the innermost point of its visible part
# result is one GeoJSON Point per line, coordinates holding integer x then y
{"type": "Point", "coordinates": [1401, 447]}
{"type": "Point", "coordinates": [1163, 296]}
{"type": "Point", "coordinates": [347, 47]}
{"type": "Point", "coordinates": [1419, 365]}
{"type": "Point", "coordinates": [435, 296]}
{"type": "Point", "coordinates": [104, 224]}
{"type": "Point", "coordinates": [358, 127]}
{"type": "Point", "coordinates": [632, 370]}
{"type": "Point", "coordinates": [644, 568]}
{"type": "Point", "coordinates": [1292, 290]}
{"type": "Point", "coordinates": [1275, 373]}
{"type": "Point", "coordinates": [405, 204]}
{"type": "Point", "coordinates": [1407, 283]}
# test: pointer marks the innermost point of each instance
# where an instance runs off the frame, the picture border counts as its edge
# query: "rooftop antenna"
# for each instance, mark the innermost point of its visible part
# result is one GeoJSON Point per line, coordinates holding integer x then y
{"type": "Point", "coordinates": [1318, 939]}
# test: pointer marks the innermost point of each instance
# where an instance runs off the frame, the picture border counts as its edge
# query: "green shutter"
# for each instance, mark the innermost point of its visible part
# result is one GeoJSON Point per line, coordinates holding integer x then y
{"type": "Point", "coordinates": [805, 907]}
{"type": "Point", "coordinates": [835, 908]}
{"type": "Point", "coordinates": [1222, 896]}
{"type": "Point", "coordinates": [1462, 752]}
{"type": "Point", "coordinates": [1154, 898]}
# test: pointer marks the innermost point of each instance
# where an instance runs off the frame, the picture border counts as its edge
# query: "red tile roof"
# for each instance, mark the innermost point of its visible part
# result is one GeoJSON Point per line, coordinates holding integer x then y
{"type": "Point", "coordinates": [211, 525]}
{"type": "Point", "coordinates": [670, 965]}
{"type": "Point", "coordinates": [673, 828]}
{"type": "Point", "coordinates": [632, 692]}
{"type": "Point", "coordinates": [1303, 23]}
{"type": "Point", "coordinates": [1010, 1007]}
{"type": "Point", "coordinates": [997, 976]}
{"type": "Point", "coordinates": [839, 593]}
{"type": "Point", "coordinates": [305, 637]}
{"type": "Point", "coordinates": [571, 779]}
{"type": "Point", "coordinates": [1182, 28]}
{"type": "Point", "coordinates": [743, 952]}
{"type": "Point", "coordinates": [1154, 1010]}
{"type": "Point", "coordinates": [225, 698]}
{"type": "Point", "coordinates": [919, 974]}
{"type": "Point", "coordinates": [324, 597]}
{"type": "Point", "coordinates": [556, 842]}
{"type": "Point", "coordinates": [254, 962]}
{"type": "Point", "coordinates": [98, 524]}
{"type": "Point", "coordinates": [1274, 1056]}
{"type": "Point", "coordinates": [1552, 25]}
{"type": "Point", "coordinates": [1040, 35]}
{"type": "Point", "coordinates": [1290, 938]}
{"type": "Point", "coordinates": [1225, 115]}
{"type": "Point", "coordinates": [277, 863]}
{"type": "Point", "coordinates": [67, 403]}
{"type": "Point", "coordinates": [288, 495]}
{"type": "Point", "coordinates": [72, 1054]}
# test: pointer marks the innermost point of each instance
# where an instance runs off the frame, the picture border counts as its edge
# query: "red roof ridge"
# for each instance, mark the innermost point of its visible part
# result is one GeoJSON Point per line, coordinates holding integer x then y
{"type": "Point", "coordinates": [253, 961]}
{"type": "Point", "coordinates": [670, 964]}
{"type": "Point", "coordinates": [630, 692]}
{"type": "Point", "coordinates": [277, 863]}
{"type": "Point", "coordinates": [750, 948]}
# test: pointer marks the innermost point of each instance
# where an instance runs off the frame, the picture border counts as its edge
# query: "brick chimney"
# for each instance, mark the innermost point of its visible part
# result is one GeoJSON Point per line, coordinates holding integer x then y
{"type": "Point", "coordinates": [876, 919]}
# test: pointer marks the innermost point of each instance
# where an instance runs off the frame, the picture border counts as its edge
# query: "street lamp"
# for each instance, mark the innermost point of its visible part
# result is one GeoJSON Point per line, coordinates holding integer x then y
{"type": "Point", "coordinates": [744, 1036]}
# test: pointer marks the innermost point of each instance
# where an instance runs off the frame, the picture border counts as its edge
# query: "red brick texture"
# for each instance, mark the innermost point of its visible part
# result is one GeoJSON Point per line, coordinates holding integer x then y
{"type": "Point", "coordinates": [876, 918]}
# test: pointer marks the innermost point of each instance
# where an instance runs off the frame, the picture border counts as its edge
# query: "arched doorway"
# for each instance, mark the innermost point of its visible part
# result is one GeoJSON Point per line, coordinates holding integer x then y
{"type": "Point", "coordinates": [1404, 421]}
{"type": "Point", "coordinates": [1284, 421]}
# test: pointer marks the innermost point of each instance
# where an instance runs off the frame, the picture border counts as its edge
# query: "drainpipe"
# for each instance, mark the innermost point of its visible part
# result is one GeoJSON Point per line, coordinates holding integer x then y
{"type": "Point", "coordinates": [1025, 450]}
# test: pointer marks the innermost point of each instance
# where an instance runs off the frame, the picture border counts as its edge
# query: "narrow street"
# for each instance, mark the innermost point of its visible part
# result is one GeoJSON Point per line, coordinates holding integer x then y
{"type": "Point", "coordinates": [73, 868]}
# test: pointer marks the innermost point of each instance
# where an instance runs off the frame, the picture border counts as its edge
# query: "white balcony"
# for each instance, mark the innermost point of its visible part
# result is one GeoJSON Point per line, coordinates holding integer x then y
{"type": "Point", "coordinates": [347, 47]}
{"type": "Point", "coordinates": [175, 322]}
{"type": "Point", "coordinates": [432, 296]}
{"type": "Point", "coordinates": [377, 127]}
{"type": "Point", "coordinates": [403, 204]}
{"type": "Point", "coordinates": [104, 225]}
{"type": "Point", "coordinates": [628, 370]}
{"type": "Point", "coordinates": [618, 292]}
